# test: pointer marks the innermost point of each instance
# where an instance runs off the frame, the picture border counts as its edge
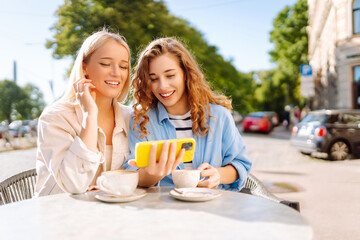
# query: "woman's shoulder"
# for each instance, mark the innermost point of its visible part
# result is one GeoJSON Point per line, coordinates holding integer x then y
{"type": "Point", "coordinates": [126, 110]}
{"type": "Point", "coordinates": [217, 110]}
{"type": "Point", "coordinates": [58, 109]}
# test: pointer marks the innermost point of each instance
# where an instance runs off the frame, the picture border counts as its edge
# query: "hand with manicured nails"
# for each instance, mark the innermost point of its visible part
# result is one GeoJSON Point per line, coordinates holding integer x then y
{"type": "Point", "coordinates": [156, 171]}
{"type": "Point", "coordinates": [212, 174]}
{"type": "Point", "coordinates": [85, 94]}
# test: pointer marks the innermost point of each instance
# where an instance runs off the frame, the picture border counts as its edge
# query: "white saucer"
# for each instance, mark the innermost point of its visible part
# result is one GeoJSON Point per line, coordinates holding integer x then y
{"type": "Point", "coordinates": [102, 196]}
{"type": "Point", "coordinates": [195, 194]}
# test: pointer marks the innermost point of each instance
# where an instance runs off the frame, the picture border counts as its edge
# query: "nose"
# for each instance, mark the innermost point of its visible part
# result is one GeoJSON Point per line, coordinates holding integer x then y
{"type": "Point", "coordinates": [115, 71]}
{"type": "Point", "coordinates": [163, 83]}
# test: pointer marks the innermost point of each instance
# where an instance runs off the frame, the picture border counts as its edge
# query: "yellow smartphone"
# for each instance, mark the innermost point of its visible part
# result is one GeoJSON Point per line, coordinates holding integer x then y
{"type": "Point", "coordinates": [142, 150]}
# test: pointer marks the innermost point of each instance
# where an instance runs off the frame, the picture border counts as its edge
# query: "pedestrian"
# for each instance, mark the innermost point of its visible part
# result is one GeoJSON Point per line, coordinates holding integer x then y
{"type": "Point", "coordinates": [173, 100]}
{"type": "Point", "coordinates": [85, 132]}
{"type": "Point", "coordinates": [286, 120]}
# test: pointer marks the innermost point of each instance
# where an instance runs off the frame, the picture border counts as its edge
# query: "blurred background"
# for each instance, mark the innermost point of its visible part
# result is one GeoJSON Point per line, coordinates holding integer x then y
{"type": "Point", "coordinates": [236, 43]}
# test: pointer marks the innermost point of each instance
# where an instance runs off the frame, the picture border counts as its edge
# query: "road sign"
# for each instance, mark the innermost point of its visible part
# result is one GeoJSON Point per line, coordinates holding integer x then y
{"type": "Point", "coordinates": [305, 70]}
{"type": "Point", "coordinates": [307, 85]}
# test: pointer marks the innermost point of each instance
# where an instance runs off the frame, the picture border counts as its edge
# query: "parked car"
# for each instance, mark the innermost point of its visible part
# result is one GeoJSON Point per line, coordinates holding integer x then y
{"type": "Point", "coordinates": [15, 126]}
{"type": "Point", "coordinates": [335, 132]}
{"type": "Point", "coordinates": [274, 118]}
{"type": "Point", "coordinates": [257, 122]}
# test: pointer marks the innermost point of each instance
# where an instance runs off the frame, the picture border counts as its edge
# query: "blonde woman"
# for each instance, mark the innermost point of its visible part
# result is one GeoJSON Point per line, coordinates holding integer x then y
{"type": "Point", "coordinates": [173, 100]}
{"type": "Point", "coordinates": [86, 131]}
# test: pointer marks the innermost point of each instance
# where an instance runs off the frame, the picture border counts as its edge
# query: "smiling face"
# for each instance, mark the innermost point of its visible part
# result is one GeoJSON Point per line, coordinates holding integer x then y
{"type": "Point", "coordinates": [168, 84]}
{"type": "Point", "coordinates": [108, 68]}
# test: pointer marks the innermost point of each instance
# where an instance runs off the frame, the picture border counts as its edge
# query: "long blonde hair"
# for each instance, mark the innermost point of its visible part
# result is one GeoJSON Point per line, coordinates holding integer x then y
{"type": "Point", "coordinates": [199, 93]}
{"type": "Point", "coordinates": [89, 46]}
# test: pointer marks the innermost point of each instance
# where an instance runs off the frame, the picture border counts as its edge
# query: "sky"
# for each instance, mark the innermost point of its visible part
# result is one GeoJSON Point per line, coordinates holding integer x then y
{"type": "Point", "coordinates": [240, 29]}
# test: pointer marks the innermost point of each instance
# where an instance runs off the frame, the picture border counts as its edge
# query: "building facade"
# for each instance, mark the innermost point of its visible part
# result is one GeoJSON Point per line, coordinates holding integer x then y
{"type": "Point", "coordinates": [334, 53]}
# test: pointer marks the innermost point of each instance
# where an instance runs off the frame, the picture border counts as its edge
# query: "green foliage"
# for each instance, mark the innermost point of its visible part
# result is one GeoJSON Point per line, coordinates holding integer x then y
{"type": "Point", "coordinates": [140, 22]}
{"type": "Point", "coordinates": [32, 103]}
{"type": "Point", "coordinates": [290, 49]}
{"type": "Point", "coordinates": [270, 95]}
{"type": "Point", "coordinates": [20, 103]}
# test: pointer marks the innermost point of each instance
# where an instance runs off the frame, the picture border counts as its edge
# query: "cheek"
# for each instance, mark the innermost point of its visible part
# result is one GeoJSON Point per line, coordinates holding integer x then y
{"type": "Point", "coordinates": [152, 87]}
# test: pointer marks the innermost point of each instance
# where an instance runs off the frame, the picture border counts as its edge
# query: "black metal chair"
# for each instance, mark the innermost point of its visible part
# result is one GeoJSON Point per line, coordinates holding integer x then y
{"type": "Point", "coordinates": [255, 187]}
{"type": "Point", "coordinates": [18, 187]}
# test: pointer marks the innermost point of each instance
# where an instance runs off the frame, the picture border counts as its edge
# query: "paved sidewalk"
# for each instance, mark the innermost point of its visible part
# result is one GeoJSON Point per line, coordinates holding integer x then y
{"type": "Point", "coordinates": [18, 143]}
{"type": "Point", "coordinates": [328, 192]}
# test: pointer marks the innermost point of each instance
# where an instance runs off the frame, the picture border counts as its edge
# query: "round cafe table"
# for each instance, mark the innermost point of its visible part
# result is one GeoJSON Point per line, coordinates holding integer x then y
{"type": "Point", "coordinates": [156, 216]}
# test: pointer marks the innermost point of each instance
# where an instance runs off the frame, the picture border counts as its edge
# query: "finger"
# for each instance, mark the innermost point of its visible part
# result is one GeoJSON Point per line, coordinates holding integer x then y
{"type": "Point", "coordinates": [204, 183]}
{"type": "Point", "coordinates": [207, 173]}
{"type": "Point", "coordinates": [172, 156]}
{"type": "Point", "coordinates": [178, 159]}
{"type": "Point", "coordinates": [204, 166]}
{"type": "Point", "coordinates": [152, 155]}
{"type": "Point", "coordinates": [164, 154]}
{"type": "Point", "coordinates": [132, 162]}
{"type": "Point", "coordinates": [88, 86]}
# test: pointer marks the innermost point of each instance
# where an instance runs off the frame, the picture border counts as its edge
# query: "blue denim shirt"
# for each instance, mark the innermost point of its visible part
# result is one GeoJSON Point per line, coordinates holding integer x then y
{"type": "Point", "coordinates": [222, 145]}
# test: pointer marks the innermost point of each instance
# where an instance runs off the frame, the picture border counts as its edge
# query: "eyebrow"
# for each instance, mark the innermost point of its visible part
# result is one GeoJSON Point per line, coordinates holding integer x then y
{"type": "Point", "coordinates": [168, 70]}
{"type": "Point", "coordinates": [112, 59]}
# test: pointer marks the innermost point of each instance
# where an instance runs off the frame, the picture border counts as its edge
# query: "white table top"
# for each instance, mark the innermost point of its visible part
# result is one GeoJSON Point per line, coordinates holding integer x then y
{"type": "Point", "coordinates": [155, 216]}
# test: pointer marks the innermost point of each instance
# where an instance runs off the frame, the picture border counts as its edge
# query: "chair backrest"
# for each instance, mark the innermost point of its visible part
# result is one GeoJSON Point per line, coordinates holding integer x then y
{"type": "Point", "coordinates": [18, 187]}
{"type": "Point", "coordinates": [255, 187]}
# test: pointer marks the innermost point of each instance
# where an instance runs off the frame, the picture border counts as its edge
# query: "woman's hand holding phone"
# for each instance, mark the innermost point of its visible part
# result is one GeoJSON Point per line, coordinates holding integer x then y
{"type": "Point", "coordinates": [155, 171]}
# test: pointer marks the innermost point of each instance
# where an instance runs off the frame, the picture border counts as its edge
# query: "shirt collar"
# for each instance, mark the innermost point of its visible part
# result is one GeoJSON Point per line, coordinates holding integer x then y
{"type": "Point", "coordinates": [162, 113]}
{"type": "Point", "coordinates": [119, 116]}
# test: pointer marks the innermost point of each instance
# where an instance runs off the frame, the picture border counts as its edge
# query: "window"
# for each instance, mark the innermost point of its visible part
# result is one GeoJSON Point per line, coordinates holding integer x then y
{"type": "Point", "coordinates": [356, 16]}
{"type": "Point", "coordinates": [356, 88]}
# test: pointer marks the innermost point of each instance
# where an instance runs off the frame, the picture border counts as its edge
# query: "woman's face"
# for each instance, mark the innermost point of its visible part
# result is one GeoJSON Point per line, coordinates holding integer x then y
{"type": "Point", "coordinates": [108, 68]}
{"type": "Point", "coordinates": [168, 84]}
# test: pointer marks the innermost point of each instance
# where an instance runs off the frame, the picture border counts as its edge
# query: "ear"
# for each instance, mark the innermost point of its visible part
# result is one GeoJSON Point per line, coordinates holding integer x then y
{"type": "Point", "coordinates": [84, 70]}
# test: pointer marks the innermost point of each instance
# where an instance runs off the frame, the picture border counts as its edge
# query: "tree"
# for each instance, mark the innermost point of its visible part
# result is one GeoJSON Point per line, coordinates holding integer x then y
{"type": "Point", "coordinates": [20, 103]}
{"type": "Point", "coordinates": [290, 49]}
{"type": "Point", "coordinates": [32, 103]}
{"type": "Point", "coordinates": [142, 21]}
{"type": "Point", "coordinates": [10, 94]}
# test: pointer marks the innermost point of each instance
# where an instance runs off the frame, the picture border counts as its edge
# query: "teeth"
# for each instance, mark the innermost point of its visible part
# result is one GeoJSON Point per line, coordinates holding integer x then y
{"type": "Point", "coordinates": [112, 83]}
{"type": "Point", "coordinates": [167, 94]}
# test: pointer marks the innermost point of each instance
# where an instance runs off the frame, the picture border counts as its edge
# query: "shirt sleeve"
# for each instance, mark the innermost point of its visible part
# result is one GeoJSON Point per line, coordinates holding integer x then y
{"type": "Point", "coordinates": [133, 139]}
{"type": "Point", "coordinates": [64, 154]}
{"type": "Point", "coordinates": [234, 153]}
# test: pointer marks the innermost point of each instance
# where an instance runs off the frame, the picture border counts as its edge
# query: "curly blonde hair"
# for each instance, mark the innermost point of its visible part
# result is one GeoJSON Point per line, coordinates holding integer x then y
{"type": "Point", "coordinates": [198, 91]}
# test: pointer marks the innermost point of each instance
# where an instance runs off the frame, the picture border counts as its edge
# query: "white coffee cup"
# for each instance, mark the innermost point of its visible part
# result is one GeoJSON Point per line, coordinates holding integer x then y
{"type": "Point", "coordinates": [118, 182]}
{"type": "Point", "coordinates": [186, 178]}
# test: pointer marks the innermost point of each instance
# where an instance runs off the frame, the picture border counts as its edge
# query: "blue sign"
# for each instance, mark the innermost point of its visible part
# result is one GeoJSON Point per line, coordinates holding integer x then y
{"type": "Point", "coordinates": [305, 70]}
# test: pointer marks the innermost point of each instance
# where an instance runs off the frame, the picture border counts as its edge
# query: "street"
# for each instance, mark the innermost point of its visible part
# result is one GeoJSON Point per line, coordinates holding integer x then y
{"type": "Point", "coordinates": [326, 190]}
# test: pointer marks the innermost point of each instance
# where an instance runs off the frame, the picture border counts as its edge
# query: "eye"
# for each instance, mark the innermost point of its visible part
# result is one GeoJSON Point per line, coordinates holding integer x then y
{"type": "Point", "coordinates": [171, 76]}
{"type": "Point", "coordinates": [124, 67]}
{"type": "Point", "coordinates": [105, 64]}
{"type": "Point", "coordinates": [153, 79]}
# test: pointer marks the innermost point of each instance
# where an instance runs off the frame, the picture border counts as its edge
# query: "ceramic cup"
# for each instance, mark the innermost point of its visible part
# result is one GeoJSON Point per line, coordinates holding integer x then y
{"type": "Point", "coordinates": [186, 178]}
{"type": "Point", "coordinates": [119, 182]}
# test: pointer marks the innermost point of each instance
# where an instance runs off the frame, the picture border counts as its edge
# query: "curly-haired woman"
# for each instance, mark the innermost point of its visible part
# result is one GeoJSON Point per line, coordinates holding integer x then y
{"type": "Point", "coordinates": [173, 100]}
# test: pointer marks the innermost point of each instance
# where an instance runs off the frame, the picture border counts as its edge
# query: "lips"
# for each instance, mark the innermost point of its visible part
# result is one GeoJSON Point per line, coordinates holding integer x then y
{"type": "Point", "coordinates": [112, 83]}
{"type": "Point", "coordinates": [166, 95]}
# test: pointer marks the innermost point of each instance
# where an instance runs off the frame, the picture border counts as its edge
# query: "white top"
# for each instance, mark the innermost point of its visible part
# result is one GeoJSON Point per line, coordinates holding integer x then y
{"type": "Point", "coordinates": [63, 162]}
{"type": "Point", "coordinates": [183, 126]}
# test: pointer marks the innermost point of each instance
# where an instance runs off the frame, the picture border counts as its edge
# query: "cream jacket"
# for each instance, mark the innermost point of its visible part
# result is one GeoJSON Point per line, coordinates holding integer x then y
{"type": "Point", "coordinates": [63, 162]}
